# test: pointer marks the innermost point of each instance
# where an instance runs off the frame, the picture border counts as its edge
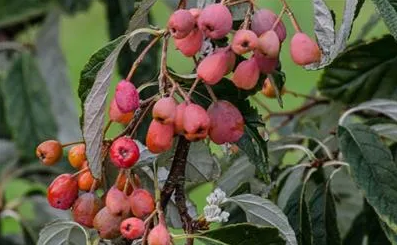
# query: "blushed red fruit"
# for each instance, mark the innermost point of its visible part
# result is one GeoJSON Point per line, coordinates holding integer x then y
{"type": "Point", "coordinates": [76, 156]}
{"type": "Point", "coordinates": [304, 50]}
{"type": "Point", "coordinates": [215, 21]}
{"type": "Point", "coordinates": [63, 191]}
{"type": "Point", "coordinates": [117, 202]}
{"type": "Point", "coordinates": [213, 67]}
{"type": "Point", "coordinates": [191, 44]}
{"type": "Point", "coordinates": [49, 152]}
{"type": "Point", "coordinates": [159, 137]}
{"type": "Point", "coordinates": [227, 123]}
{"type": "Point", "coordinates": [269, 44]}
{"type": "Point", "coordinates": [107, 224]}
{"type": "Point", "coordinates": [266, 65]}
{"type": "Point", "coordinates": [132, 228]}
{"type": "Point", "coordinates": [127, 97]}
{"type": "Point", "coordinates": [196, 122]}
{"type": "Point", "coordinates": [164, 110]}
{"type": "Point", "coordinates": [181, 23]}
{"type": "Point", "coordinates": [85, 208]}
{"type": "Point", "coordinates": [141, 203]}
{"type": "Point", "coordinates": [269, 91]}
{"type": "Point", "coordinates": [180, 111]}
{"type": "Point", "coordinates": [159, 235]}
{"type": "Point", "coordinates": [244, 41]}
{"type": "Point", "coordinates": [246, 74]}
{"type": "Point", "coordinates": [85, 181]}
{"type": "Point", "coordinates": [124, 152]}
{"type": "Point", "coordinates": [115, 115]}
{"type": "Point", "coordinates": [195, 12]}
{"type": "Point", "coordinates": [263, 20]}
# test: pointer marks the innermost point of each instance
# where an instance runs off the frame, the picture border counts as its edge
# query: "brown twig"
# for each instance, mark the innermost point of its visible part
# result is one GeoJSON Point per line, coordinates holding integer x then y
{"type": "Point", "coordinates": [298, 110]}
{"type": "Point", "coordinates": [301, 95]}
{"type": "Point", "coordinates": [163, 65]}
{"type": "Point", "coordinates": [142, 116]}
{"type": "Point", "coordinates": [182, 4]}
{"type": "Point", "coordinates": [72, 143]}
{"type": "Point", "coordinates": [291, 16]}
{"type": "Point", "coordinates": [187, 222]}
{"type": "Point", "coordinates": [193, 87]}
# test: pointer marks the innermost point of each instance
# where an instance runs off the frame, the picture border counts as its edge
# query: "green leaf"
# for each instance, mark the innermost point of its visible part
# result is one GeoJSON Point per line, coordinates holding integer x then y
{"type": "Point", "coordinates": [27, 106]}
{"type": "Point", "coordinates": [388, 11]}
{"type": "Point", "coordinates": [18, 11]}
{"type": "Point", "coordinates": [392, 236]}
{"type": "Point", "coordinates": [372, 168]}
{"type": "Point", "coordinates": [263, 212]}
{"type": "Point", "coordinates": [362, 72]}
{"type": "Point", "coordinates": [73, 6]}
{"type": "Point", "coordinates": [323, 217]}
{"type": "Point", "coordinates": [298, 215]}
{"type": "Point", "coordinates": [63, 231]}
{"type": "Point", "coordinates": [387, 130]}
{"type": "Point", "coordinates": [242, 234]}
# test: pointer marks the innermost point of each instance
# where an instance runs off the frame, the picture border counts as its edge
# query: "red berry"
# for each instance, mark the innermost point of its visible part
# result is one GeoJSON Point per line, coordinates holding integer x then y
{"type": "Point", "coordinates": [266, 65]}
{"type": "Point", "coordinates": [85, 208]}
{"type": "Point", "coordinates": [159, 235]}
{"type": "Point", "coordinates": [191, 44]}
{"type": "Point", "coordinates": [124, 152]}
{"type": "Point", "coordinates": [115, 115]}
{"type": "Point", "coordinates": [246, 74]}
{"type": "Point", "coordinates": [196, 122]}
{"type": "Point", "coordinates": [85, 181]}
{"type": "Point", "coordinates": [49, 152]}
{"type": "Point", "coordinates": [117, 202]}
{"type": "Point", "coordinates": [244, 41]}
{"type": "Point", "coordinates": [213, 67]}
{"type": "Point", "coordinates": [63, 191]}
{"type": "Point", "coordinates": [159, 137]}
{"type": "Point", "coordinates": [132, 228]}
{"type": "Point", "coordinates": [142, 203]}
{"type": "Point", "coordinates": [107, 224]}
{"type": "Point", "coordinates": [269, 44]}
{"type": "Point", "coordinates": [181, 23]}
{"type": "Point", "coordinates": [76, 156]}
{"type": "Point", "coordinates": [263, 21]}
{"type": "Point", "coordinates": [304, 50]}
{"type": "Point", "coordinates": [215, 21]}
{"type": "Point", "coordinates": [127, 97]}
{"type": "Point", "coordinates": [164, 110]}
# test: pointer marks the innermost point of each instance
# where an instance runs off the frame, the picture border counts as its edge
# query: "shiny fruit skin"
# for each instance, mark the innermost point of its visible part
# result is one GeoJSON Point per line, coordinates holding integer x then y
{"type": "Point", "coordinates": [115, 115]}
{"type": "Point", "coordinates": [76, 156]}
{"type": "Point", "coordinates": [132, 228]}
{"type": "Point", "coordinates": [164, 110]}
{"type": "Point", "coordinates": [107, 224]}
{"type": "Point", "coordinates": [126, 96]}
{"type": "Point", "coordinates": [244, 41]}
{"type": "Point", "coordinates": [124, 152]}
{"type": "Point", "coordinates": [266, 65]}
{"type": "Point", "coordinates": [85, 181]}
{"type": "Point", "coordinates": [49, 152]}
{"type": "Point", "coordinates": [213, 67]}
{"type": "Point", "coordinates": [117, 202]}
{"type": "Point", "coordinates": [63, 191]}
{"type": "Point", "coordinates": [141, 203]}
{"type": "Point", "coordinates": [85, 208]}
{"type": "Point", "coordinates": [159, 137]}
{"type": "Point", "coordinates": [215, 21]}
{"type": "Point", "coordinates": [269, 44]}
{"type": "Point", "coordinates": [159, 235]}
{"type": "Point", "coordinates": [196, 122]}
{"type": "Point", "coordinates": [246, 74]}
{"type": "Point", "coordinates": [181, 23]}
{"type": "Point", "coordinates": [304, 50]}
{"type": "Point", "coordinates": [191, 44]}
{"type": "Point", "coordinates": [263, 20]}
{"type": "Point", "coordinates": [180, 111]}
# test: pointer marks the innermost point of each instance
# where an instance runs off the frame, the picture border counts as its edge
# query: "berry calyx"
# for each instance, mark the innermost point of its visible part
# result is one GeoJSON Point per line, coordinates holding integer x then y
{"type": "Point", "coordinates": [304, 50]}
{"type": "Point", "coordinates": [63, 191]}
{"type": "Point", "coordinates": [164, 110]}
{"type": "Point", "coordinates": [126, 96]}
{"type": "Point", "coordinates": [76, 156]}
{"type": "Point", "coordinates": [132, 228]}
{"type": "Point", "coordinates": [49, 152]}
{"type": "Point", "coordinates": [181, 23]}
{"type": "Point", "coordinates": [141, 203]}
{"type": "Point", "coordinates": [124, 152]}
{"type": "Point", "coordinates": [244, 41]}
{"type": "Point", "coordinates": [215, 21]}
{"type": "Point", "coordinates": [196, 122]}
{"type": "Point", "coordinates": [117, 202]}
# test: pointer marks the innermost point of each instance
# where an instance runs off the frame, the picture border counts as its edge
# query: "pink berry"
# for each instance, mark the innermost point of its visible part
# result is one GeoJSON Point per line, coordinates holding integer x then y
{"type": "Point", "coordinates": [213, 67]}
{"type": "Point", "coordinates": [244, 41]}
{"type": "Point", "coordinates": [215, 21]}
{"type": "Point", "coordinates": [269, 44]}
{"type": "Point", "coordinates": [304, 50]}
{"type": "Point", "coordinates": [127, 97]}
{"type": "Point", "coordinates": [246, 74]}
{"type": "Point", "coordinates": [191, 44]}
{"type": "Point", "coordinates": [196, 122]}
{"type": "Point", "coordinates": [124, 152]}
{"type": "Point", "coordinates": [181, 23]}
{"type": "Point", "coordinates": [141, 202]}
{"type": "Point", "coordinates": [132, 228]}
{"type": "Point", "coordinates": [266, 65]}
{"type": "Point", "coordinates": [263, 21]}
{"type": "Point", "coordinates": [164, 110]}
{"type": "Point", "coordinates": [159, 235]}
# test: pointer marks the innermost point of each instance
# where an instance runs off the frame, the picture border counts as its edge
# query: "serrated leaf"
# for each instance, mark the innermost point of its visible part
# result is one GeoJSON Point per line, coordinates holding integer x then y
{"type": "Point", "coordinates": [241, 234]}
{"type": "Point", "coordinates": [363, 72]}
{"type": "Point", "coordinates": [323, 26]}
{"type": "Point", "coordinates": [63, 231]}
{"type": "Point", "coordinates": [32, 122]}
{"type": "Point", "coordinates": [298, 215]}
{"type": "Point", "coordinates": [263, 212]}
{"type": "Point", "coordinates": [388, 11]}
{"type": "Point", "coordinates": [372, 168]}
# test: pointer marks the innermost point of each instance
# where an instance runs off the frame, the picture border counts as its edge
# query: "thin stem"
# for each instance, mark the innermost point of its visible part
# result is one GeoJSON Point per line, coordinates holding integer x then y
{"type": "Point", "coordinates": [72, 143]}
{"type": "Point", "coordinates": [147, 109]}
{"type": "Point", "coordinates": [150, 217]}
{"type": "Point", "coordinates": [193, 87]}
{"type": "Point", "coordinates": [279, 17]}
{"type": "Point", "coordinates": [182, 4]}
{"type": "Point", "coordinates": [298, 110]}
{"type": "Point", "coordinates": [163, 65]}
{"type": "Point", "coordinates": [247, 17]}
{"type": "Point", "coordinates": [93, 186]}
{"type": "Point", "coordinates": [80, 172]}
{"type": "Point", "coordinates": [301, 95]}
{"type": "Point", "coordinates": [15, 46]}
{"type": "Point", "coordinates": [108, 124]}
{"type": "Point", "coordinates": [177, 86]}
{"type": "Point", "coordinates": [211, 92]}
{"type": "Point", "coordinates": [291, 16]}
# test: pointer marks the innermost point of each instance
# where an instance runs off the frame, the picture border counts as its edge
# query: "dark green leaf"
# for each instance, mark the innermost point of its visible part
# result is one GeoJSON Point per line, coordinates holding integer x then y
{"type": "Point", "coordinates": [242, 234]}
{"type": "Point", "coordinates": [358, 8]}
{"type": "Point", "coordinates": [73, 6]}
{"type": "Point", "coordinates": [388, 11]}
{"type": "Point", "coordinates": [298, 215]}
{"type": "Point", "coordinates": [277, 79]}
{"type": "Point", "coordinates": [363, 72]}
{"type": "Point", "coordinates": [4, 130]}
{"type": "Point", "coordinates": [18, 11]}
{"type": "Point", "coordinates": [27, 106]}
{"type": "Point", "coordinates": [372, 168]}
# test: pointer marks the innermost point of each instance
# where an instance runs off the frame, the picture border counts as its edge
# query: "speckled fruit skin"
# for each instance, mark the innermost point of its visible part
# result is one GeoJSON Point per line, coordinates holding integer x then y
{"type": "Point", "coordinates": [76, 156]}
{"type": "Point", "coordinates": [246, 74]}
{"type": "Point", "coordinates": [191, 44]}
{"type": "Point", "coordinates": [159, 137]}
{"type": "Point", "coordinates": [180, 111]}
{"type": "Point", "coordinates": [132, 228]}
{"type": "Point", "coordinates": [124, 152]}
{"type": "Point", "coordinates": [263, 21]}
{"type": "Point", "coordinates": [107, 224]}
{"type": "Point", "coordinates": [115, 115]}
{"type": "Point", "coordinates": [49, 152]}
{"type": "Point", "coordinates": [244, 41]}
{"type": "Point", "coordinates": [63, 191]}
{"type": "Point", "coordinates": [181, 23]}
{"type": "Point", "coordinates": [196, 122]}
{"type": "Point", "coordinates": [213, 67]}
{"type": "Point", "coordinates": [269, 44]}
{"type": "Point", "coordinates": [85, 181]}
{"type": "Point", "coordinates": [141, 203]}
{"type": "Point", "coordinates": [159, 235]}
{"type": "Point", "coordinates": [85, 208]}
{"type": "Point", "coordinates": [266, 65]}
{"type": "Point", "coordinates": [164, 110]}
{"type": "Point", "coordinates": [127, 97]}
{"type": "Point", "coordinates": [269, 91]}
{"type": "Point", "coordinates": [304, 50]}
{"type": "Point", "coordinates": [117, 202]}
{"type": "Point", "coordinates": [215, 21]}
{"type": "Point", "coordinates": [227, 123]}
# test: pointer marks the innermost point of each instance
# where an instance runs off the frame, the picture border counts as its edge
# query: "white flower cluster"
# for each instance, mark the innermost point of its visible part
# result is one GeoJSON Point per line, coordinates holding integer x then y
{"type": "Point", "coordinates": [212, 211]}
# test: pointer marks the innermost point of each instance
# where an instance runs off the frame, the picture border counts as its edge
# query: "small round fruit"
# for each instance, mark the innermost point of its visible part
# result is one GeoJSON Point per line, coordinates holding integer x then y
{"type": "Point", "coordinates": [132, 228]}
{"type": "Point", "coordinates": [107, 224]}
{"type": "Point", "coordinates": [269, 44]}
{"type": "Point", "coordinates": [117, 202]}
{"type": "Point", "coordinates": [178, 124]}
{"type": "Point", "coordinates": [76, 156]}
{"type": "Point", "coordinates": [124, 152]}
{"type": "Point", "coordinates": [181, 23]}
{"type": "Point", "coordinates": [213, 67]}
{"type": "Point", "coordinates": [244, 41]}
{"type": "Point", "coordinates": [215, 21]}
{"type": "Point", "coordinates": [304, 50]}
{"type": "Point", "coordinates": [85, 208]}
{"type": "Point", "coordinates": [63, 191]}
{"type": "Point", "coordinates": [141, 203]}
{"type": "Point", "coordinates": [159, 137]}
{"type": "Point", "coordinates": [164, 110]}
{"type": "Point", "coordinates": [115, 115]}
{"type": "Point", "coordinates": [49, 152]}
{"type": "Point", "coordinates": [227, 123]}
{"type": "Point", "coordinates": [159, 235]}
{"type": "Point", "coordinates": [269, 91]}
{"type": "Point", "coordinates": [266, 65]}
{"type": "Point", "coordinates": [85, 181]}
{"type": "Point", "coordinates": [263, 20]}
{"type": "Point", "coordinates": [246, 74]}
{"type": "Point", "coordinates": [196, 122]}
{"type": "Point", "coordinates": [191, 44]}
{"type": "Point", "coordinates": [127, 97]}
